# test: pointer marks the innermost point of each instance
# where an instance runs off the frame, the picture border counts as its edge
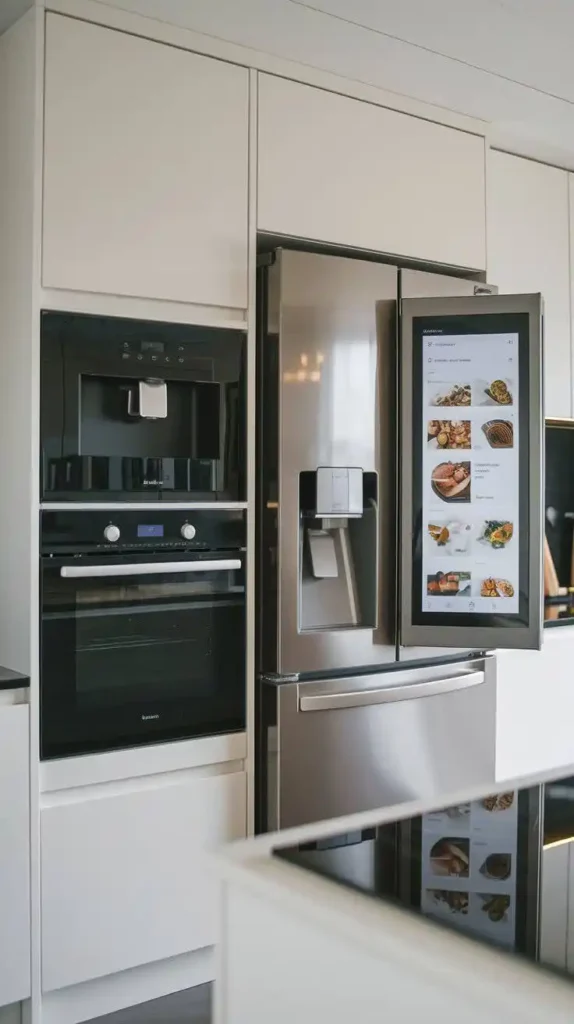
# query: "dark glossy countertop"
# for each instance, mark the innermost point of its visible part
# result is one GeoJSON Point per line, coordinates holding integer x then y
{"type": "Point", "coordinates": [475, 866]}
{"type": "Point", "coordinates": [10, 680]}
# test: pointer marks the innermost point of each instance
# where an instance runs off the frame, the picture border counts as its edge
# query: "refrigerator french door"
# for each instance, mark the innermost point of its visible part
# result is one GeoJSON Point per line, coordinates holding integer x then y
{"type": "Point", "coordinates": [472, 472]}
{"type": "Point", "coordinates": [343, 448]}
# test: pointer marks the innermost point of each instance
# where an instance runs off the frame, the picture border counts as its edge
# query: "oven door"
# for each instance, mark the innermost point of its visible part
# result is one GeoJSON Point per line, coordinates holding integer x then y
{"type": "Point", "coordinates": [138, 650]}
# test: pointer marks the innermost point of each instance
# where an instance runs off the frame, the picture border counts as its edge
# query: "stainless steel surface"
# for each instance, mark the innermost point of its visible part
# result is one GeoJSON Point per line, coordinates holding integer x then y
{"type": "Point", "coordinates": [415, 284]}
{"type": "Point", "coordinates": [418, 284]}
{"type": "Point", "coordinates": [483, 638]}
{"type": "Point", "coordinates": [332, 376]}
{"type": "Point", "coordinates": [349, 759]}
{"type": "Point", "coordinates": [149, 568]}
{"type": "Point", "coordinates": [350, 698]}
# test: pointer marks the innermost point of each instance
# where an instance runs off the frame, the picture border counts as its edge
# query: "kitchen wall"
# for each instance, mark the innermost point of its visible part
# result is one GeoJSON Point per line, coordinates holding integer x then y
{"type": "Point", "coordinates": [223, 142]}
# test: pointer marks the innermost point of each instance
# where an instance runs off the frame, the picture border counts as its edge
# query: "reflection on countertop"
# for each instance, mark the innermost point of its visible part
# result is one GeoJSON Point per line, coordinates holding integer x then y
{"type": "Point", "coordinates": [476, 866]}
{"type": "Point", "coordinates": [10, 680]}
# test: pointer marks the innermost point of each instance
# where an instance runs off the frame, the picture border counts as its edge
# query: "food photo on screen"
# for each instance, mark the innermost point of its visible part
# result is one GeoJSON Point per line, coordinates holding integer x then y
{"type": "Point", "coordinates": [496, 534]}
{"type": "Point", "coordinates": [449, 434]}
{"type": "Point", "coordinates": [449, 537]}
{"type": "Point", "coordinates": [494, 392]}
{"type": "Point", "coordinates": [451, 481]}
{"type": "Point", "coordinates": [499, 433]}
{"type": "Point", "coordinates": [449, 584]}
{"type": "Point", "coordinates": [449, 395]}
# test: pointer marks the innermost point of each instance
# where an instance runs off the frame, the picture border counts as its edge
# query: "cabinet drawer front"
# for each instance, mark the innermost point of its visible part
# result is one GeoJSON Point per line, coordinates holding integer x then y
{"type": "Point", "coordinates": [145, 168]}
{"type": "Point", "coordinates": [124, 880]}
{"type": "Point", "coordinates": [339, 170]}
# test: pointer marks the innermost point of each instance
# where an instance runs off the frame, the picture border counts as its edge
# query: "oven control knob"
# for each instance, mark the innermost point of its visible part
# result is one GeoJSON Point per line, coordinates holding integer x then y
{"type": "Point", "coordinates": [112, 533]}
{"type": "Point", "coordinates": [188, 531]}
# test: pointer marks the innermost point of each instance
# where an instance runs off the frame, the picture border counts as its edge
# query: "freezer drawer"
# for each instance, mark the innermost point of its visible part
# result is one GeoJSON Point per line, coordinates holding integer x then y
{"type": "Point", "coordinates": [344, 745]}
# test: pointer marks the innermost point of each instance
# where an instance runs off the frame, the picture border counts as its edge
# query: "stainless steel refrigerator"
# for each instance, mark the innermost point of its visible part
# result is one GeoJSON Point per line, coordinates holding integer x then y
{"type": "Point", "coordinates": [398, 528]}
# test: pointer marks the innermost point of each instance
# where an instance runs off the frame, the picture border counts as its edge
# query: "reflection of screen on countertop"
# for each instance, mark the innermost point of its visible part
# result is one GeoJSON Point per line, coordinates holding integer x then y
{"type": "Point", "coordinates": [470, 473]}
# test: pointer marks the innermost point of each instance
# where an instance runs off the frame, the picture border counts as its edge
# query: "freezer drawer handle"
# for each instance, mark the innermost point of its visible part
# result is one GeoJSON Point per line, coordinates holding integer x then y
{"type": "Point", "coordinates": [148, 568]}
{"type": "Point", "coordinates": [389, 694]}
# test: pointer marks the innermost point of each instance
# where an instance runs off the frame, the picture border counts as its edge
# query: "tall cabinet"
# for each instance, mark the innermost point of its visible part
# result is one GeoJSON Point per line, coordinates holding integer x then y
{"type": "Point", "coordinates": [528, 250]}
{"type": "Point", "coordinates": [145, 168]}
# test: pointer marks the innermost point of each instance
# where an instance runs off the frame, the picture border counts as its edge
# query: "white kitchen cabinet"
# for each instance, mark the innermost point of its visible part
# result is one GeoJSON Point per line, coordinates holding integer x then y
{"type": "Point", "coordinates": [145, 168]}
{"type": "Point", "coordinates": [529, 251]}
{"type": "Point", "coordinates": [124, 881]}
{"type": "Point", "coordinates": [339, 170]}
{"type": "Point", "coordinates": [14, 854]}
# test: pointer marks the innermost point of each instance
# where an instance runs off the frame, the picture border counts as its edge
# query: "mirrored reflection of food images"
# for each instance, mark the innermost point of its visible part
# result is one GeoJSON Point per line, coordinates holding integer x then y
{"type": "Point", "coordinates": [450, 481]}
{"type": "Point", "coordinates": [455, 901]}
{"type": "Point", "coordinates": [455, 394]}
{"type": "Point", "coordinates": [448, 434]}
{"type": "Point", "coordinates": [448, 584]}
{"type": "Point", "coordinates": [496, 907]}
{"type": "Point", "coordinates": [449, 858]}
{"type": "Point", "coordinates": [492, 587]}
{"type": "Point", "coordinates": [499, 433]}
{"type": "Point", "coordinates": [458, 811]}
{"type": "Point", "coordinates": [500, 802]}
{"type": "Point", "coordinates": [499, 392]}
{"type": "Point", "coordinates": [497, 866]}
{"type": "Point", "coordinates": [498, 533]}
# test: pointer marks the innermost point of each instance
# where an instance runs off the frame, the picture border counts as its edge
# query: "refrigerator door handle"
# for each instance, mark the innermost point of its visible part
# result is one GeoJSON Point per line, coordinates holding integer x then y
{"type": "Point", "coordinates": [389, 694]}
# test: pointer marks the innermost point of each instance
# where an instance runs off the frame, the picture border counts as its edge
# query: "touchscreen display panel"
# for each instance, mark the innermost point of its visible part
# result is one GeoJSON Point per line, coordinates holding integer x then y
{"type": "Point", "coordinates": [470, 470]}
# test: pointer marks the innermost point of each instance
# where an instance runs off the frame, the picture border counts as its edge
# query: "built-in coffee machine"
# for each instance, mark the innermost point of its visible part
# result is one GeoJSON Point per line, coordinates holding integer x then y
{"type": "Point", "coordinates": [133, 409]}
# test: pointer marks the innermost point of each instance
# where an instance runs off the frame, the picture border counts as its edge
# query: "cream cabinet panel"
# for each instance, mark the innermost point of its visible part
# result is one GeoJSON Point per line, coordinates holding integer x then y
{"type": "Point", "coordinates": [145, 168]}
{"type": "Point", "coordinates": [529, 251]}
{"type": "Point", "coordinates": [14, 854]}
{"type": "Point", "coordinates": [125, 879]}
{"type": "Point", "coordinates": [339, 170]}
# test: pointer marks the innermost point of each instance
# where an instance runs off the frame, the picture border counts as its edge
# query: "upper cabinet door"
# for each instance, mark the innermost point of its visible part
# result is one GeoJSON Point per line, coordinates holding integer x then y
{"type": "Point", "coordinates": [529, 250]}
{"type": "Point", "coordinates": [145, 168]}
{"type": "Point", "coordinates": [334, 169]}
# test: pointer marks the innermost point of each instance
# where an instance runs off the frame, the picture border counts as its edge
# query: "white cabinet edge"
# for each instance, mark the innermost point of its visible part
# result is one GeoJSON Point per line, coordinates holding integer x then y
{"type": "Point", "coordinates": [139, 762]}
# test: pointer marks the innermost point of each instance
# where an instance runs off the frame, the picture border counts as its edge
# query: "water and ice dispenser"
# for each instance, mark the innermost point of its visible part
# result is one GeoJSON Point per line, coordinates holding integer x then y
{"type": "Point", "coordinates": [337, 549]}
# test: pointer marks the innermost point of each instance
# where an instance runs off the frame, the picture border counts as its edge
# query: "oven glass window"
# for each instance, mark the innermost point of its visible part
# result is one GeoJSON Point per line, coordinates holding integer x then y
{"type": "Point", "coordinates": [126, 656]}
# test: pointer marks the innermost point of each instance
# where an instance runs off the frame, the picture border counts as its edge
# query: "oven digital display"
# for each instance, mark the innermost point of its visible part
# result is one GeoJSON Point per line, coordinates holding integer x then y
{"type": "Point", "coordinates": [155, 530]}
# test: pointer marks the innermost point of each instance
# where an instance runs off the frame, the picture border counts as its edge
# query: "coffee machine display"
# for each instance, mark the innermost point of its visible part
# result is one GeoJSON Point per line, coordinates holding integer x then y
{"type": "Point", "coordinates": [131, 409]}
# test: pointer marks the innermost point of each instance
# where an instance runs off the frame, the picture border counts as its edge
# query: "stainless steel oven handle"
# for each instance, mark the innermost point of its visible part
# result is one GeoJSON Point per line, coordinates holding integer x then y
{"type": "Point", "coordinates": [148, 568]}
{"type": "Point", "coordinates": [389, 694]}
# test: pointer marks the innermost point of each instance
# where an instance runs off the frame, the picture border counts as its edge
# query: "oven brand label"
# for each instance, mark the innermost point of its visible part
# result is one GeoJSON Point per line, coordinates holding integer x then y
{"type": "Point", "coordinates": [149, 718]}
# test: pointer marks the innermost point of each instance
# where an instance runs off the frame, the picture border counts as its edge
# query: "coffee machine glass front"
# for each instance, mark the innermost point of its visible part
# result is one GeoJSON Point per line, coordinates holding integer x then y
{"type": "Point", "coordinates": [130, 407]}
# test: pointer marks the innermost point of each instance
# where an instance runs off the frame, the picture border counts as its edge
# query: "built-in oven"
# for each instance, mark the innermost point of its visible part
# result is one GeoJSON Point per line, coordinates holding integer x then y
{"type": "Point", "coordinates": [137, 410]}
{"type": "Point", "coordinates": [142, 627]}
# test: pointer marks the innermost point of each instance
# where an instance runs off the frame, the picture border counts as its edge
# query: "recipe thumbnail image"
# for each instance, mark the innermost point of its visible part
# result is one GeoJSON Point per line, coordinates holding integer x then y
{"type": "Point", "coordinates": [449, 434]}
{"type": "Point", "coordinates": [450, 537]}
{"type": "Point", "coordinates": [494, 587]}
{"type": "Point", "coordinates": [449, 857]}
{"type": "Point", "coordinates": [496, 534]}
{"type": "Point", "coordinates": [448, 584]}
{"type": "Point", "coordinates": [448, 395]}
{"type": "Point", "coordinates": [499, 433]}
{"type": "Point", "coordinates": [494, 392]}
{"type": "Point", "coordinates": [451, 481]}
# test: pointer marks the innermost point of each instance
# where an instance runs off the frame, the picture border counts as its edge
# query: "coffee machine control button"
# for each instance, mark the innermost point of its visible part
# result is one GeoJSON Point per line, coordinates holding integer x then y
{"type": "Point", "coordinates": [112, 533]}
{"type": "Point", "coordinates": [188, 531]}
